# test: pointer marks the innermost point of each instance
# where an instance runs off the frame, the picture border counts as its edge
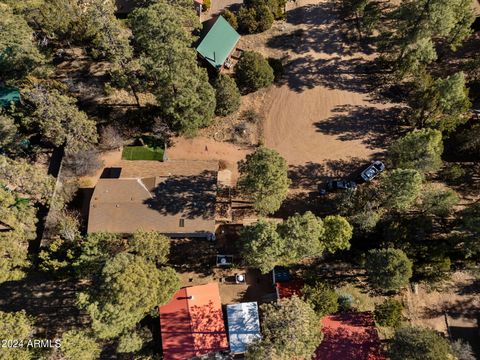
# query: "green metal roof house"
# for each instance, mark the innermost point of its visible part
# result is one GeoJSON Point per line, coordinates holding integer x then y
{"type": "Point", "coordinates": [8, 95]}
{"type": "Point", "coordinates": [219, 43]}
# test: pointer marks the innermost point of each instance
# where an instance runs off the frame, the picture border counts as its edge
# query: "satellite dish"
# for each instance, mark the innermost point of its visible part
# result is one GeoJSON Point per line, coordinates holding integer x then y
{"type": "Point", "coordinates": [240, 278]}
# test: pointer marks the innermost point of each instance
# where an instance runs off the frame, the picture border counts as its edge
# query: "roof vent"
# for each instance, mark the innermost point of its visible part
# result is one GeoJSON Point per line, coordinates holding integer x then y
{"type": "Point", "coordinates": [190, 297]}
{"type": "Point", "coordinates": [117, 205]}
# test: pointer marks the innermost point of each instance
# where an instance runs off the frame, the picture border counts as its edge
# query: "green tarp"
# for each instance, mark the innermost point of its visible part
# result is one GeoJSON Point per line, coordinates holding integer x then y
{"type": "Point", "coordinates": [8, 95]}
{"type": "Point", "coordinates": [219, 42]}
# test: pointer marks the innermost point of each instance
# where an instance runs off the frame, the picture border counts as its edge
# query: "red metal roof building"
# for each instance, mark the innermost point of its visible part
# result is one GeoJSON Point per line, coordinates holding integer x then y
{"type": "Point", "coordinates": [287, 289]}
{"type": "Point", "coordinates": [192, 323]}
{"type": "Point", "coordinates": [350, 336]}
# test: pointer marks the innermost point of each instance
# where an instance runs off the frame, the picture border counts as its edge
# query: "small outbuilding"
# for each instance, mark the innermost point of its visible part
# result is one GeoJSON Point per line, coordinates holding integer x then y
{"type": "Point", "coordinates": [243, 326]}
{"type": "Point", "coordinates": [218, 44]}
{"type": "Point", "coordinates": [191, 324]}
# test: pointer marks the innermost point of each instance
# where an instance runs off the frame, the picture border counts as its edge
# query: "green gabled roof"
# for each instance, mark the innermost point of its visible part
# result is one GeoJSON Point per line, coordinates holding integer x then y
{"type": "Point", "coordinates": [218, 43]}
{"type": "Point", "coordinates": [8, 95]}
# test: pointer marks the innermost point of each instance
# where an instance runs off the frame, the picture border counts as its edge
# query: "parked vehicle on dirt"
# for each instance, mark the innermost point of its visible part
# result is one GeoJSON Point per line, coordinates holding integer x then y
{"type": "Point", "coordinates": [335, 185]}
{"type": "Point", "coordinates": [372, 171]}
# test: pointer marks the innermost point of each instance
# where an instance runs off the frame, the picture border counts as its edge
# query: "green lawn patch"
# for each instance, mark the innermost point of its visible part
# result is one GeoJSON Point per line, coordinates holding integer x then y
{"type": "Point", "coordinates": [142, 153]}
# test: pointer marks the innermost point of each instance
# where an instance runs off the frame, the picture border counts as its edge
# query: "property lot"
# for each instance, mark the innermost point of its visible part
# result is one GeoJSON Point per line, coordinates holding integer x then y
{"type": "Point", "coordinates": [325, 112]}
{"type": "Point", "coordinates": [324, 115]}
{"type": "Point", "coordinates": [194, 260]}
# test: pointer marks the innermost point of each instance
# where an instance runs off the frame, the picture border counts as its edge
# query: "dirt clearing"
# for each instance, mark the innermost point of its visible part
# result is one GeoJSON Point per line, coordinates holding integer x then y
{"type": "Point", "coordinates": [324, 109]}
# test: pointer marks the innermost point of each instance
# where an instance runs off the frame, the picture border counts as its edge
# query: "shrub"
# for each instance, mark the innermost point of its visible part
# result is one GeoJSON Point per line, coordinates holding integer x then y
{"type": "Point", "coordinates": [227, 94]}
{"type": "Point", "coordinates": [277, 66]}
{"type": "Point", "coordinates": [83, 163]}
{"type": "Point", "coordinates": [258, 16]}
{"type": "Point", "coordinates": [345, 302]}
{"type": "Point", "coordinates": [207, 4]}
{"type": "Point", "coordinates": [453, 173]}
{"type": "Point", "coordinates": [253, 72]}
{"type": "Point", "coordinates": [276, 7]}
{"type": "Point", "coordinates": [231, 18]}
{"type": "Point", "coordinates": [462, 350]}
{"type": "Point", "coordinates": [110, 138]}
{"type": "Point", "coordinates": [322, 298]}
{"type": "Point", "coordinates": [251, 116]}
{"type": "Point", "coordinates": [389, 313]}
{"type": "Point", "coordinates": [247, 22]}
{"type": "Point", "coordinates": [264, 18]}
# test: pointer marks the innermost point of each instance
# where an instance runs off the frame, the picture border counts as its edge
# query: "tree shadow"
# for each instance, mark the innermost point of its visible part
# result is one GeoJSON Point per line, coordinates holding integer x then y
{"type": "Point", "coordinates": [470, 289]}
{"type": "Point", "coordinates": [191, 196]}
{"type": "Point", "coordinates": [355, 74]}
{"type": "Point", "coordinates": [466, 308]}
{"type": "Point", "coordinates": [51, 302]}
{"type": "Point", "coordinates": [208, 327]}
{"type": "Point", "coordinates": [377, 128]}
{"type": "Point", "coordinates": [347, 62]}
{"type": "Point", "coordinates": [310, 175]}
{"type": "Point", "coordinates": [298, 203]}
{"type": "Point", "coordinates": [324, 32]}
{"type": "Point", "coordinates": [193, 255]}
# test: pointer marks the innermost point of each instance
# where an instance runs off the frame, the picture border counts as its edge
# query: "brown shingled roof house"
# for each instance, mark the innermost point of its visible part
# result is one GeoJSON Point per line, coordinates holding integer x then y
{"type": "Point", "coordinates": [176, 198]}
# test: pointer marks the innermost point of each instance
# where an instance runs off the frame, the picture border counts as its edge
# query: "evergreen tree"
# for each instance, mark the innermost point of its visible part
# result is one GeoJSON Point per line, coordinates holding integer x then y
{"type": "Point", "coordinates": [16, 326]}
{"type": "Point", "coordinates": [262, 248]}
{"type": "Point", "coordinates": [303, 236]}
{"type": "Point", "coordinates": [290, 330]}
{"type": "Point", "coordinates": [30, 180]}
{"type": "Point", "coordinates": [79, 345]}
{"type": "Point", "coordinates": [400, 188]}
{"type": "Point", "coordinates": [322, 298]}
{"type": "Point", "coordinates": [419, 150]}
{"type": "Point", "coordinates": [163, 38]}
{"type": "Point", "coordinates": [338, 233]}
{"type": "Point", "coordinates": [18, 217]}
{"type": "Point", "coordinates": [151, 245]}
{"type": "Point", "coordinates": [19, 54]}
{"type": "Point", "coordinates": [227, 95]}
{"type": "Point", "coordinates": [441, 104]}
{"type": "Point", "coordinates": [388, 269]}
{"type": "Point", "coordinates": [413, 343]}
{"type": "Point", "coordinates": [253, 72]}
{"type": "Point", "coordinates": [59, 121]}
{"type": "Point", "coordinates": [388, 313]}
{"type": "Point", "coordinates": [439, 202]}
{"type": "Point", "coordinates": [264, 176]}
{"type": "Point", "coordinates": [130, 287]}
{"type": "Point", "coordinates": [417, 23]}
